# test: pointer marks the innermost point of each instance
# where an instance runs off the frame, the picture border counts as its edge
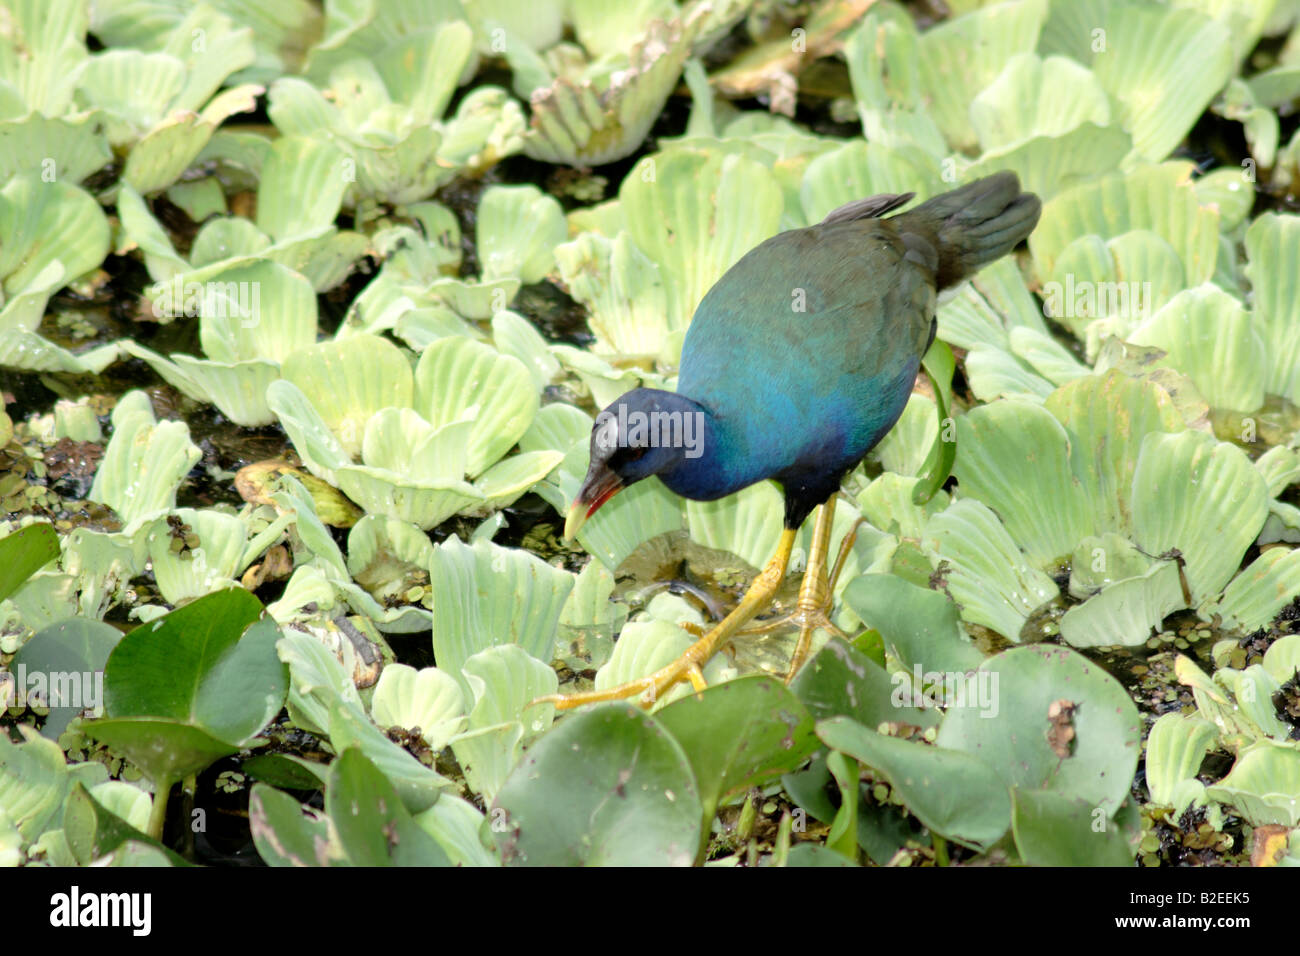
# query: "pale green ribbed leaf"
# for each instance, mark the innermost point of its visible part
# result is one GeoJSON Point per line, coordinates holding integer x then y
{"type": "Point", "coordinates": [47, 223]}
{"type": "Point", "coordinates": [988, 575]}
{"type": "Point", "coordinates": [747, 524]}
{"type": "Point", "coordinates": [458, 379]}
{"type": "Point", "coordinates": [622, 290]}
{"type": "Point", "coordinates": [319, 448]}
{"type": "Point", "coordinates": [1107, 417]}
{"type": "Point", "coordinates": [350, 380]}
{"type": "Point", "coordinates": [145, 461]}
{"type": "Point", "coordinates": [1273, 246]}
{"type": "Point", "coordinates": [694, 214]}
{"type": "Point", "coordinates": [960, 57]}
{"type": "Point", "coordinates": [1016, 458]}
{"type": "Point", "coordinates": [518, 228]}
{"type": "Point", "coordinates": [1176, 746]}
{"type": "Point", "coordinates": [1263, 785]}
{"type": "Point", "coordinates": [1125, 612]}
{"type": "Point", "coordinates": [515, 336]}
{"type": "Point", "coordinates": [1208, 337]}
{"type": "Point", "coordinates": [1263, 588]}
{"type": "Point", "coordinates": [1037, 96]}
{"type": "Point", "coordinates": [1048, 165]}
{"type": "Point", "coordinates": [426, 699]}
{"type": "Point", "coordinates": [502, 681]}
{"type": "Point", "coordinates": [485, 595]}
{"type": "Point", "coordinates": [1202, 497]}
{"type": "Point", "coordinates": [207, 567]}
{"type": "Point", "coordinates": [301, 188]}
{"type": "Point", "coordinates": [1161, 199]}
{"type": "Point", "coordinates": [70, 147]}
{"type": "Point", "coordinates": [862, 169]}
{"type": "Point", "coordinates": [426, 502]}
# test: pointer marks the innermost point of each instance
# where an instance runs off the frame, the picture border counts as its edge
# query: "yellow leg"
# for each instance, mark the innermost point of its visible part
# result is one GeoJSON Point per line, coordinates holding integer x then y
{"type": "Point", "coordinates": [689, 665]}
{"type": "Point", "coordinates": [815, 593]}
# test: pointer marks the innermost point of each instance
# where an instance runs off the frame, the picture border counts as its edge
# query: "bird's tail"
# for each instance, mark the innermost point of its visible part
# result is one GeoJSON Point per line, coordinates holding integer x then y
{"type": "Point", "coordinates": [971, 226]}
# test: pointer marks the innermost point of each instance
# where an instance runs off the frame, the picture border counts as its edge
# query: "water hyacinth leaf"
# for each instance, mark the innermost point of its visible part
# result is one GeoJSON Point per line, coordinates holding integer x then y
{"type": "Point", "coordinates": [953, 793]}
{"type": "Point", "coordinates": [95, 834]}
{"type": "Point", "coordinates": [841, 681]}
{"type": "Point", "coordinates": [23, 553]}
{"type": "Point", "coordinates": [1061, 723]}
{"type": "Point", "coordinates": [654, 821]}
{"type": "Point", "coordinates": [426, 700]}
{"type": "Point", "coordinates": [920, 627]}
{"type": "Point", "coordinates": [211, 663]}
{"type": "Point", "coordinates": [71, 653]}
{"type": "Point", "coordinates": [1208, 336]}
{"type": "Point", "coordinates": [144, 463]}
{"type": "Point", "coordinates": [1161, 199]}
{"type": "Point", "coordinates": [457, 378]}
{"type": "Point", "coordinates": [987, 574]}
{"type": "Point", "coordinates": [1054, 829]}
{"type": "Point", "coordinates": [1108, 417]}
{"type": "Point", "coordinates": [1263, 785]}
{"type": "Point", "coordinates": [502, 680]}
{"type": "Point", "coordinates": [1037, 96]}
{"type": "Point", "coordinates": [48, 225]}
{"type": "Point", "coordinates": [372, 826]}
{"type": "Point", "coordinates": [485, 595]}
{"type": "Point", "coordinates": [1125, 612]}
{"type": "Point", "coordinates": [694, 214]}
{"type": "Point", "coordinates": [287, 833]}
{"type": "Point", "coordinates": [739, 734]}
{"type": "Point", "coordinates": [1272, 243]}
{"type": "Point", "coordinates": [350, 380]}
{"type": "Point", "coordinates": [1202, 497]}
{"type": "Point", "coordinates": [518, 227]}
{"type": "Point", "coordinates": [1264, 587]}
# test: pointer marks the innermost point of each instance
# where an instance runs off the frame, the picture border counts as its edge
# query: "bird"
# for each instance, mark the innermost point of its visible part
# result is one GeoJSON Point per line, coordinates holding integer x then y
{"type": "Point", "coordinates": [796, 363]}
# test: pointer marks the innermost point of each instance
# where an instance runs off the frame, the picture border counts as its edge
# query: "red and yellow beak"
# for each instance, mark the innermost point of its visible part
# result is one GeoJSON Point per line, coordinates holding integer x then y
{"type": "Point", "coordinates": [599, 486]}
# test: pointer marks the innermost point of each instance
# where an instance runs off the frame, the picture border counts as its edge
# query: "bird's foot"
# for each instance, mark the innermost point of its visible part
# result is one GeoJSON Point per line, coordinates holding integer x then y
{"type": "Point", "coordinates": [690, 665]}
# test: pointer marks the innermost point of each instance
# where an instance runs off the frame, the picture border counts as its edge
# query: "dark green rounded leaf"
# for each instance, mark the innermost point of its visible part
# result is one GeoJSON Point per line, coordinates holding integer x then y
{"type": "Point", "coordinates": [25, 552]}
{"type": "Point", "coordinates": [69, 658]}
{"type": "Point", "coordinates": [211, 664]}
{"type": "Point", "coordinates": [374, 828]}
{"type": "Point", "coordinates": [740, 734]}
{"type": "Point", "coordinates": [1086, 746]}
{"type": "Point", "coordinates": [606, 787]}
{"type": "Point", "coordinates": [1052, 829]}
{"type": "Point", "coordinates": [951, 792]}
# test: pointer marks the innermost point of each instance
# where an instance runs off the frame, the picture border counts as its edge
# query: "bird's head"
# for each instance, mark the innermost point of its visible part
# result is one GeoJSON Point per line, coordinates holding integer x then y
{"type": "Point", "coordinates": [645, 432]}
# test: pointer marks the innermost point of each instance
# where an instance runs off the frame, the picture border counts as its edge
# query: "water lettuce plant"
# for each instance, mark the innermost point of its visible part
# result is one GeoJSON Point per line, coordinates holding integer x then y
{"type": "Point", "coordinates": [291, 411]}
